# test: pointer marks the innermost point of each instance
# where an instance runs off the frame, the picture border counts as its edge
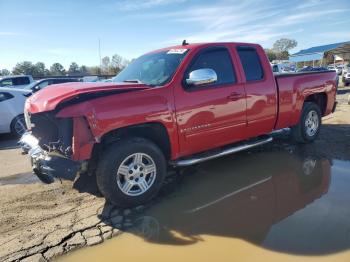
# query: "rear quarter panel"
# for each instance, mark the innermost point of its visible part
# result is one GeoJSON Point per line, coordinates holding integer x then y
{"type": "Point", "coordinates": [294, 89]}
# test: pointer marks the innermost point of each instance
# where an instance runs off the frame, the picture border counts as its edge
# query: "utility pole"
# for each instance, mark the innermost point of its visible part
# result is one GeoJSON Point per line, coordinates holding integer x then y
{"type": "Point", "coordinates": [99, 54]}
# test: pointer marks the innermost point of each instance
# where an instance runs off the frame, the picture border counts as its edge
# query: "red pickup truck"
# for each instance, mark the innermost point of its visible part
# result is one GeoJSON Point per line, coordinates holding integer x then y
{"type": "Point", "coordinates": [172, 107]}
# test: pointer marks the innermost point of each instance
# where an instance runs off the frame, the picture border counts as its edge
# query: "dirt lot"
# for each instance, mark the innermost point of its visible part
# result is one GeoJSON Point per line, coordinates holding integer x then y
{"type": "Point", "coordinates": [39, 222]}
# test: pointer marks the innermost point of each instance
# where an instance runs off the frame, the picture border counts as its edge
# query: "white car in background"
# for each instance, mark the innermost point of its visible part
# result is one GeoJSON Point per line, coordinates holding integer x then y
{"type": "Point", "coordinates": [11, 110]}
{"type": "Point", "coordinates": [346, 69]}
{"type": "Point", "coordinates": [282, 68]}
{"type": "Point", "coordinates": [337, 69]}
{"type": "Point", "coordinates": [346, 75]}
{"type": "Point", "coordinates": [12, 102]}
{"type": "Point", "coordinates": [20, 81]}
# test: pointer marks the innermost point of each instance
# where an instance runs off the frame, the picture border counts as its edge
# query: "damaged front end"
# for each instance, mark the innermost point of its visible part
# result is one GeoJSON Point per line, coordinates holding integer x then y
{"type": "Point", "coordinates": [63, 127]}
{"type": "Point", "coordinates": [49, 145]}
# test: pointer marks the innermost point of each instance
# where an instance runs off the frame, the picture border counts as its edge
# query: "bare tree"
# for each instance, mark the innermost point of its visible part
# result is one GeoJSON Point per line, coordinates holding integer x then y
{"type": "Point", "coordinates": [24, 68]}
{"type": "Point", "coordinates": [106, 63]}
{"type": "Point", "coordinates": [57, 69]}
{"type": "Point", "coordinates": [118, 63]}
{"type": "Point", "coordinates": [4, 72]}
{"type": "Point", "coordinates": [39, 69]}
{"type": "Point", "coordinates": [284, 44]}
{"type": "Point", "coordinates": [73, 68]}
{"type": "Point", "coordinates": [271, 55]}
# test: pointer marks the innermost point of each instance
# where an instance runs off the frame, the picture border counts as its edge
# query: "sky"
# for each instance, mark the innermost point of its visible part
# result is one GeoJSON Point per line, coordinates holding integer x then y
{"type": "Point", "coordinates": [68, 31]}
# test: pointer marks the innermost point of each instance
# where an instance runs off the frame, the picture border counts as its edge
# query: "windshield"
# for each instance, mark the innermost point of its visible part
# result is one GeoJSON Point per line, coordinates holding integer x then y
{"type": "Point", "coordinates": [38, 85]}
{"type": "Point", "coordinates": [30, 86]}
{"type": "Point", "coordinates": [154, 69]}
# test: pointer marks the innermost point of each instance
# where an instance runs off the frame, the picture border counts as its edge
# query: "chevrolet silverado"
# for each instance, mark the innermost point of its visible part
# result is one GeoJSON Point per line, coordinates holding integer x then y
{"type": "Point", "coordinates": [172, 107]}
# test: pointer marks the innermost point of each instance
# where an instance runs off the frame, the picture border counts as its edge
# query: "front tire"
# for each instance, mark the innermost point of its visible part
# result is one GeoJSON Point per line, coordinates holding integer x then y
{"type": "Point", "coordinates": [308, 128]}
{"type": "Point", "coordinates": [131, 172]}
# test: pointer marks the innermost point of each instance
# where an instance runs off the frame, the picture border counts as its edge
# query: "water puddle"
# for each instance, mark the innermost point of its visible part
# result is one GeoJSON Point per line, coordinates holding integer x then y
{"type": "Point", "coordinates": [19, 179]}
{"type": "Point", "coordinates": [276, 206]}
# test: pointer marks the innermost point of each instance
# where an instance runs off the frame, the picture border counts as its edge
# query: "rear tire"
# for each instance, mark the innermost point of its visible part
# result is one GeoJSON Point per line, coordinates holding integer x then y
{"type": "Point", "coordinates": [308, 128]}
{"type": "Point", "coordinates": [131, 172]}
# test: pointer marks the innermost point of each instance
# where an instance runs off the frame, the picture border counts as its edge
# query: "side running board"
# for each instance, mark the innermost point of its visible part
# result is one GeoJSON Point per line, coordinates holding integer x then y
{"type": "Point", "coordinates": [198, 158]}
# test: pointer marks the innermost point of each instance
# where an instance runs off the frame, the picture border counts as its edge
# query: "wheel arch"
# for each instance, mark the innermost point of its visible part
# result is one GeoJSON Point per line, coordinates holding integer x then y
{"type": "Point", "coordinates": [153, 131]}
{"type": "Point", "coordinates": [12, 123]}
{"type": "Point", "coordinates": [319, 99]}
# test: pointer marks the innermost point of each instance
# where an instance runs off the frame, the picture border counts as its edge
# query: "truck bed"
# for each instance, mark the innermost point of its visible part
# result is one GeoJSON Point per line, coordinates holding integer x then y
{"type": "Point", "coordinates": [293, 88]}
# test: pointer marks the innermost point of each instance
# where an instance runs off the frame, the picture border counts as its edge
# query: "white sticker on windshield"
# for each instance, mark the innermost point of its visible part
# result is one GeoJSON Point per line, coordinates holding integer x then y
{"type": "Point", "coordinates": [177, 51]}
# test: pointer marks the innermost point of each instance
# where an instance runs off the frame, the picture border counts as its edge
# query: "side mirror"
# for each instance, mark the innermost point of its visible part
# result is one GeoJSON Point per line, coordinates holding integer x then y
{"type": "Point", "coordinates": [35, 88]}
{"type": "Point", "coordinates": [202, 77]}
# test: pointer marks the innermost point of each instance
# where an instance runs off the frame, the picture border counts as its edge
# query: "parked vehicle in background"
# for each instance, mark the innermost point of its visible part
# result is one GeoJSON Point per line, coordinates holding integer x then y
{"type": "Point", "coordinates": [337, 69]}
{"type": "Point", "coordinates": [172, 107]}
{"type": "Point", "coordinates": [283, 68]}
{"type": "Point", "coordinates": [91, 79]}
{"type": "Point", "coordinates": [40, 84]}
{"type": "Point", "coordinates": [345, 74]}
{"type": "Point", "coordinates": [12, 102]}
{"type": "Point", "coordinates": [16, 81]}
{"type": "Point", "coordinates": [11, 110]}
{"type": "Point", "coordinates": [107, 80]}
{"type": "Point", "coordinates": [331, 67]}
{"type": "Point", "coordinates": [313, 69]}
{"type": "Point", "coordinates": [346, 68]}
{"type": "Point", "coordinates": [346, 78]}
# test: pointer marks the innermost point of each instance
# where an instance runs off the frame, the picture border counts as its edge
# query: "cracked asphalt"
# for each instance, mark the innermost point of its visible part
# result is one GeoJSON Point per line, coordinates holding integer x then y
{"type": "Point", "coordinates": [39, 222]}
{"type": "Point", "coordinates": [50, 220]}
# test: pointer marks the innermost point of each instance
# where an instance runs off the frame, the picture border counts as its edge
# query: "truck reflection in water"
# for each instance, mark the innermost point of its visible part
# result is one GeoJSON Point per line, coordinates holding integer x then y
{"type": "Point", "coordinates": [239, 197]}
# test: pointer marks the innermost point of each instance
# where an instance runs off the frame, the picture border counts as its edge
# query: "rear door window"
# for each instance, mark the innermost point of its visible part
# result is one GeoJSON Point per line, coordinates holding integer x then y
{"type": "Point", "coordinates": [251, 63]}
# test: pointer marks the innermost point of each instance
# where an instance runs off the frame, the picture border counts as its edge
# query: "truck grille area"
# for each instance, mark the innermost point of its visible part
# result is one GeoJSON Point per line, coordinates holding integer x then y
{"type": "Point", "coordinates": [54, 134]}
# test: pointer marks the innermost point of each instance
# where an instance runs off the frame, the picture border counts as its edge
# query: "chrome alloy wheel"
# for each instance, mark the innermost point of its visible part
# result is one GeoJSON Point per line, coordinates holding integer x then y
{"type": "Point", "coordinates": [309, 166]}
{"type": "Point", "coordinates": [20, 126]}
{"type": "Point", "coordinates": [311, 123]}
{"type": "Point", "coordinates": [136, 174]}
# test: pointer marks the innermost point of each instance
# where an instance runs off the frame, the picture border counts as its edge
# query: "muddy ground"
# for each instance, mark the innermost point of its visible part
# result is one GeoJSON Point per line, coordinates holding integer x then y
{"type": "Point", "coordinates": [39, 222]}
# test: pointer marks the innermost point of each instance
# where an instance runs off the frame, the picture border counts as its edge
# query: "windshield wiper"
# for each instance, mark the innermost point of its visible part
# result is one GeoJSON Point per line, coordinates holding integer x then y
{"type": "Point", "coordinates": [136, 81]}
{"type": "Point", "coordinates": [133, 81]}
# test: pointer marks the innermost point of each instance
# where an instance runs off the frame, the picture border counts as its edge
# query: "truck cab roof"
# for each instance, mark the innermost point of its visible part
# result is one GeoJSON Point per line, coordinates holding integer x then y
{"type": "Point", "coordinates": [202, 45]}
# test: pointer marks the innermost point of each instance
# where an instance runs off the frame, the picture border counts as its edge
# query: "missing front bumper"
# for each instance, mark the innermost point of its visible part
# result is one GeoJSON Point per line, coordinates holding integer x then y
{"type": "Point", "coordinates": [48, 167]}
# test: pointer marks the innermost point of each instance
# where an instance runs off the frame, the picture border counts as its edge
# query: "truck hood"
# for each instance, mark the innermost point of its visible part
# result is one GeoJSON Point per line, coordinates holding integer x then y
{"type": "Point", "coordinates": [50, 97]}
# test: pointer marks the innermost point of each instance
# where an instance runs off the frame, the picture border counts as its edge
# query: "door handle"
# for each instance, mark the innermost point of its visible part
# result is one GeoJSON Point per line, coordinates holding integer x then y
{"type": "Point", "coordinates": [234, 96]}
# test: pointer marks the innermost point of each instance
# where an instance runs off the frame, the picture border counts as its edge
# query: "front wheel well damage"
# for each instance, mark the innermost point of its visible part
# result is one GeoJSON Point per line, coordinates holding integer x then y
{"type": "Point", "coordinates": [155, 132]}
